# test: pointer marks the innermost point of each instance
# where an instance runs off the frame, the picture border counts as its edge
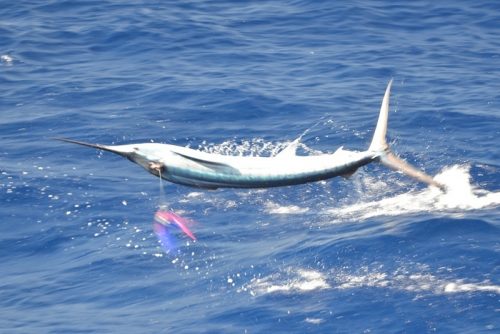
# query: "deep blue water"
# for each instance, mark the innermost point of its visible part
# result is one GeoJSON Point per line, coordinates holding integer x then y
{"type": "Point", "coordinates": [377, 253]}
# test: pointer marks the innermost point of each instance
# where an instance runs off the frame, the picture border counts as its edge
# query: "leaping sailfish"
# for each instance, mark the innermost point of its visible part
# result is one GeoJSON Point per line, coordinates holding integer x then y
{"type": "Point", "coordinates": [194, 168]}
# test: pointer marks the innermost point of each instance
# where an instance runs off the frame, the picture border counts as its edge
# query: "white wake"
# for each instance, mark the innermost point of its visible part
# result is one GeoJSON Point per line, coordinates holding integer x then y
{"type": "Point", "coordinates": [299, 280]}
{"type": "Point", "coordinates": [460, 196]}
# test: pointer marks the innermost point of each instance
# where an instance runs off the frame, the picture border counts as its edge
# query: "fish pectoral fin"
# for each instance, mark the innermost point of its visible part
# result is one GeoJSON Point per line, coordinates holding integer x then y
{"type": "Point", "coordinates": [214, 165]}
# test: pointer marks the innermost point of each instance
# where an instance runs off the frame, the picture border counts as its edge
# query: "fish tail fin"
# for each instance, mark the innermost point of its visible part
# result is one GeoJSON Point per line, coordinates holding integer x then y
{"type": "Point", "coordinates": [382, 151]}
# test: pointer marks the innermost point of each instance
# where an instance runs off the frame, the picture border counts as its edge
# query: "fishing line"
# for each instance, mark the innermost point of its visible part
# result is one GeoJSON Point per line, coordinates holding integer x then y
{"type": "Point", "coordinates": [162, 200]}
{"type": "Point", "coordinates": [306, 131]}
{"type": "Point", "coordinates": [298, 141]}
{"type": "Point", "coordinates": [165, 219]}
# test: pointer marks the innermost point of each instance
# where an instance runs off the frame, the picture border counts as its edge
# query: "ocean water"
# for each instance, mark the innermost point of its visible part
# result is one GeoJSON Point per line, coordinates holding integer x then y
{"type": "Point", "coordinates": [375, 253]}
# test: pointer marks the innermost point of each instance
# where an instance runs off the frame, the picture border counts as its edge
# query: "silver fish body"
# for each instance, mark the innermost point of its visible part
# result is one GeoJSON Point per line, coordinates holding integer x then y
{"type": "Point", "coordinates": [194, 168]}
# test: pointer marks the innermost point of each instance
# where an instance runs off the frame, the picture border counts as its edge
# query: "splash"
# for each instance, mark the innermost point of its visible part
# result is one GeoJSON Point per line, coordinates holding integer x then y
{"type": "Point", "coordinates": [460, 196]}
{"type": "Point", "coordinates": [256, 147]}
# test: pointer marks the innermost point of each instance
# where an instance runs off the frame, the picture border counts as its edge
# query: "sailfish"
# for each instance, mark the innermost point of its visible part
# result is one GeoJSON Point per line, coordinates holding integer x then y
{"type": "Point", "coordinates": [199, 169]}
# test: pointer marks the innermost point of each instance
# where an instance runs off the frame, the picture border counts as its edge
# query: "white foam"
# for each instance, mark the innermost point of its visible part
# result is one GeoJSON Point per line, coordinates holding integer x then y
{"type": "Point", "coordinates": [314, 321]}
{"type": "Point", "coordinates": [412, 282]}
{"type": "Point", "coordinates": [190, 196]}
{"type": "Point", "coordinates": [299, 280]}
{"type": "Point", "coordinates": [274, 208]}
{"type": "Point", "coordinates": [460, 196]}
{"type": "Point", "coordinates": [455, 287]}
{"type": "Point", "coordinates": [6, 59]}
{"type": "Point", "coordinates": [194, 194]}
{"type": "Point", "coordinates": [296, 280]}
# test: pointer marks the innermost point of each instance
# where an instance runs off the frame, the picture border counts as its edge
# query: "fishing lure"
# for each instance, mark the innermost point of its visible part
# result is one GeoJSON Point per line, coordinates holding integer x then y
{"type": "Point", "coordinates": [163, 221]}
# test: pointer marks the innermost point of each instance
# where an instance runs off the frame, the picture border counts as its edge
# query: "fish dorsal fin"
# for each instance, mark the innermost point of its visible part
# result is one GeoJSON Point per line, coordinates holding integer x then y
{"type": "Point", "coordinates": [290, 150]}
{"type": "Point", "coordinates": [339, 150]}
{"type": "Point", "coordinates": [214, 165]}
